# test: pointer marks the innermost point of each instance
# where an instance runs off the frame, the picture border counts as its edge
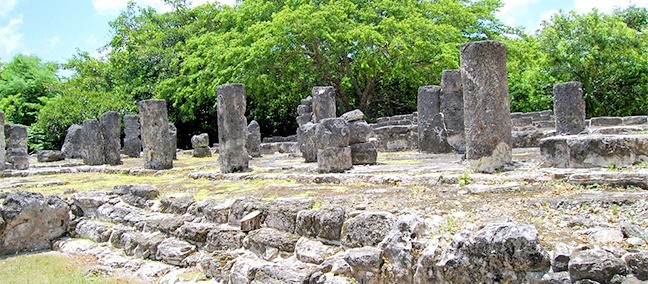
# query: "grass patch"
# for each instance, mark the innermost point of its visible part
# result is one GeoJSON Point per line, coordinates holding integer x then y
{"type": "Point", "coordinates": [47, 268]}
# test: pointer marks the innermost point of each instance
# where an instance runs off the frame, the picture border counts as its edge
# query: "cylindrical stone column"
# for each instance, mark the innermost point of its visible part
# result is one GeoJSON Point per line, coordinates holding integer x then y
{"type": "Point", "coordinates": [92, 143]}
{"type": "Point", "coordinates": [132, 141]}
{"type": "Point", "coordinates": [156, 144]}
{"type": "Point", "coordinates": [486, 105]}
{"type": "Point", "coordinates": [569, 108]}
{"type": "Point", "coordinates": [2, 143]}
{"type": "Point", "coordinates": [111, 130]}
{"type": "Point", "coordinates": [323, 103]}
{"type": "Point", "coordinates": [232, 128]}
{"type": "Point", "coordinates": [431, 127]}
{"type": "Point", "coordinates": [452, 107]}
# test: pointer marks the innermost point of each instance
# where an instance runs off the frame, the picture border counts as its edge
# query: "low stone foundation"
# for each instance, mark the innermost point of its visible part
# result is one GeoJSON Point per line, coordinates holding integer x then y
{"type": "Point", "coordinates": [585, 151]}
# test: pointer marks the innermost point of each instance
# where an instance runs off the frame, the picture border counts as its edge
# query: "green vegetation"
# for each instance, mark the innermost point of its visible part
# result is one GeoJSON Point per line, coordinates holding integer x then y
{"type": "Point", "coordinates": [375, 53]}
{"type": "Point", "coordinates": [464, 178]}
{"type": "Point", "coordinates": [47, 268]}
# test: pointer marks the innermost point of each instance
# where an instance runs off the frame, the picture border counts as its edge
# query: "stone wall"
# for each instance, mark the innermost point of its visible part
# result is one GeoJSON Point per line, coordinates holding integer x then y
{"type": "Point", "coordinates": [396, 133]}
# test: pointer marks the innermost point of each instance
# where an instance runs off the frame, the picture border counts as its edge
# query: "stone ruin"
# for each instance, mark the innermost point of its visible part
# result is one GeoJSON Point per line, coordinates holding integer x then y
{"type": "Point", "coordinates": [432, 132]}
{"type": "Point", "coordinates": [200, 145]}
{"type": "Point", "coordinates": [2, 142]}
{"type": "Point", "coordinates": [16, 143]}
{"type": "Point", "coordinates": [132, 141]}
{"type": "Point", "coordinates": [100, 140]}
{"type": "Point", "coordinates": [232, 128]}
{"type": "Point", "coordinates": [253, 143]}
{"type": "Point", "coordinates": [157, 146]}
{"type": "Point", "coordinates": [72, 145]}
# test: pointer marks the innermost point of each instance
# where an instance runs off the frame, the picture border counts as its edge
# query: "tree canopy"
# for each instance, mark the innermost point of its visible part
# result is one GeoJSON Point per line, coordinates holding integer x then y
{"type": "Point", "coordinates": [375, 53]}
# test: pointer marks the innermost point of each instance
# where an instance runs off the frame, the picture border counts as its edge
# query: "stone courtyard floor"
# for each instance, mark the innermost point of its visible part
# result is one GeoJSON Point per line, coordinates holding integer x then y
{"type": "Point", "coordinates": [574, 206]}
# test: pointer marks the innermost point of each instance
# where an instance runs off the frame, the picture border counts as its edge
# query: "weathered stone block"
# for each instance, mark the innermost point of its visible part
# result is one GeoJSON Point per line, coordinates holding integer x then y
{"type": "Point", "coordinates": [157, 147]}
{"type": "Point", "coordinates": [73, 145]}
{"type": "Point", "coordinates": [253, 143]}
{"type": "Point", "coordinates": [332, 132]}
{"type": "Point", "coordinates": [360, 131]}
{"type": "Point", "coordinates": [132, 141]}
{"type": "Point", "coordinates": [92, 143]}
{"type": "Point", "coordinates": [587, 151]}
{"type": "Point", "coordinates": [232, 128]}
{"type": "Point", "coordinates": [202, 152]}
{"type": "Point", "coordinates": [486, 105]}
{"type": "Point", "coordinates": [47, 156]}
{"type": "Point", "coordinates": [353, 115]}
{"type": "Point", "coordinates": [569, 106]}
{"type": "Point", "coordinates": [452, 107]}
{"type": "Point", "coordinates": [200, 140]}
{"type": "Point", "coordinates": [323, 103]}
{"type": "Point", "coordinates": [605, 121]}
{"type": "Point", "coordinates": [366, 229]}
{"type": "Point", "coordinates": [306, 140]}
{"type": "Point", "coordinates": [2, 142]}
{"type": "Point", "coordinates": [363, 154]}
{"type": "Point", "coordinates": [110, 132]}
{"type": "Point", "coordinates": [334, 160]}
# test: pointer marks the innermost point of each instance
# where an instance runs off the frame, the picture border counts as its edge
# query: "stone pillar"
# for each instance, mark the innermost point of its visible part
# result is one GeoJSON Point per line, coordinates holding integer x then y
{"type": "Point", "coordinates": [306, 140]}
{"type": "Point", "coordinates": [111, 131]}
{"type": "Point", "coordinates": [254, 139]}
{"type": "Point", "coordinates": [132, 141]}
{"type": "Point", "coordinates": [157, 148]}
{"type": "Point", "coordinates": [305, 111]}
{"type": "Point", "coordinates": [333, 151]}
{"type": "Point", "coordinates": [2, 142]}
{"type": "Point", "coordinates": [92, 142]}
{"type": "Point", "coordinates": [363, 152]}
{"type": "Point", "coordinates": [431, 127]}
{"type": "Point", "coordinates": [486, 105]}
{"type": "Point", "coordinates": [173, 137]}
{"type": "Point", "coordinates": [323, 103]}
{"type": "Point", "coordinates": [569, 108]}
{"type": "Point", "coordinates": [73, 144]}
{"type": "Point", "coordinates": [16, 153]}
{"type": "Point", "coordinates": [200, 145]}
{"type": "Point", "coordinates": [452, 107]}
{"type": "Point", "coordinates": [232, 128]}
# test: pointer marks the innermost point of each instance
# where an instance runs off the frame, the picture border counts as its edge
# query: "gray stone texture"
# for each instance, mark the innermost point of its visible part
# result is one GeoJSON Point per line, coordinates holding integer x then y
{"type": "Point", "coordinates": [73, 145]}
{"type": "Point", "coordinates": [305, 111]}
{"type": "Point", "coordinates": [200, 145]}
{"type": "Point", "coordinates": [92, 143]}
{"type": "Point", "coordinates": [31, 222]}
{"type": "Point", "coordinates": [363, 154]}
{"type": "Point", "coordinates": [16, 143]}
{"type": "Point", "coordinates": [586, 151]}
{"type": "Point", "coordinates": [605, 121]}
{"type": "Point", "coordinates": [132, 141]}
{"type": "Point", "coordinates": [47, 156]}
{"type": "Point", "coordinates": [432, 133]}
{"type": "Point", "coordinates": [306, 141]}
{"type": "Point", "coordinates": [332, 132]}
{"type": "Point", "coordinates": [353, 115]}
{"type": "Point", "coordinates": [2, 142]}
{"type": "Point", "coordinates": [595, 264]}
{"type": "Point", "coordinates": [452, 107]}
{"type": "Point", "coordinates": [111, 131]}
{"type": "Point", "coordinates": [569, 107]}
{"type": "Point", "coordinates": [323, 103]}
{"type": "Point", "coordinates": [157, 148]}
{"type": "Point", "coordinates": [254, 139]}
{"type": "Point", "coordinates": [360, 131]}
{"type": "Point", "coordinates": [486, 105]}
{"type": "Point", "coordinates": [173, 137]}
{"type": "Point", "coordinates": [334, 159]}
{"type": "Point", "coordinates": [232, 128]}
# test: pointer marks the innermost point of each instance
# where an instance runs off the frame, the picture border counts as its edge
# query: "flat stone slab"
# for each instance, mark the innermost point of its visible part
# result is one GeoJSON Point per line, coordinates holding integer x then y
{"type": "Point", "coordinates": [588, 151]}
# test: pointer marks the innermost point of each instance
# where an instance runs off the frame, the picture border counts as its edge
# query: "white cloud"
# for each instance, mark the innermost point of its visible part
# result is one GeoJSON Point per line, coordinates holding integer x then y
{"type": "Point", "coordinates": [514, 11]}
{"type": "Point", "coordinates": [606, 6]}
{"type": "Point", "coordinates": [7, 6]}
{"type": "Point", "coordinates": [9, 36]}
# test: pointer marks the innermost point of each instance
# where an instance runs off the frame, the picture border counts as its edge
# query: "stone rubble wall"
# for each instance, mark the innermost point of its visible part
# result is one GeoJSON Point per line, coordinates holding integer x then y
{"type": "Point", "coordinates": [292, 241]}
{"type": "Point", "coordinates": [400, 132]}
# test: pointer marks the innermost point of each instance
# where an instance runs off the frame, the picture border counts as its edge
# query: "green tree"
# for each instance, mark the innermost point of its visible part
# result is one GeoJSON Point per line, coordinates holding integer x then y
{"type": "Point", "coordinates": [604, 52]}
{"type": "Point", "coordinates": [24, 83]}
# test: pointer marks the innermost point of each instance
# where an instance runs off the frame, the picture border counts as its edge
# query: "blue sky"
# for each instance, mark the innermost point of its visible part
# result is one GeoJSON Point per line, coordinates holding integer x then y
{"type": "Point", "coordinates": [55, 29]}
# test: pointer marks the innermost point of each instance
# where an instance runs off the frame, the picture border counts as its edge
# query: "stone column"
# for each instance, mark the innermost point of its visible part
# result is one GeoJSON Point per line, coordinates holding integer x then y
{"type": "Point", "coordinates": [111, 131]}
{"type": "Point", "coordinates": [73, 144]}
{"type": "Point", "coordinates": [306, 141]}
{"type": "Point", "coordinates": [173, 137]}
{"type": "Point", "coordinates": [2, 142]}
{"type": "Point", "coordinates": [452, 107]}
{"type": "Point", "coordinates": [132, 141]}
{"type": "Point", "coordinates": [154, 121]}
{"type": "Point", "coordinates": [16, 153]}
{"type": "Point", "coordinates": [486, 105]}
{"type": "Point", "coordinates": [232, 128]}
{"type": "Point", "coordinates": [431, 127]}
{"type": "Point", "coordinates": [569, 108]}
{"type": "Point", "coordinates": [254, 139]}
{"type": "Point", "coordinates": [323, 103]}
{"type": "Point", "coordinates": [333, 151]}
{"type": "Point", "coordinates": [92, 143]}
{"type": "Point", "coordinates": [305, 111]}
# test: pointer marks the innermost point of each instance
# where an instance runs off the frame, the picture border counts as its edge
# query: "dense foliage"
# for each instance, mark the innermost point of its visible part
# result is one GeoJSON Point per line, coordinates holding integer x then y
{"type": "Point", "coordinates": [375, 53]}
